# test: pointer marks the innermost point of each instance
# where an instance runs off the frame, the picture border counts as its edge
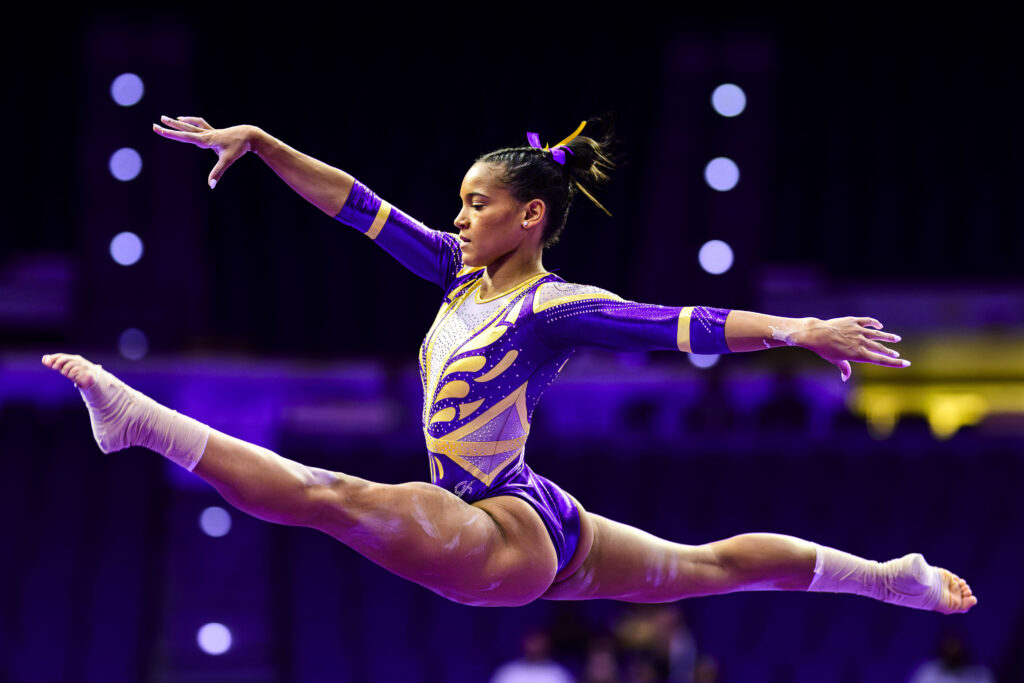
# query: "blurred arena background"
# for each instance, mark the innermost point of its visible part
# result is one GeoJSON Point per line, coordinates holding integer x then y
{"type": "Point", "coordinates": [851, 168]}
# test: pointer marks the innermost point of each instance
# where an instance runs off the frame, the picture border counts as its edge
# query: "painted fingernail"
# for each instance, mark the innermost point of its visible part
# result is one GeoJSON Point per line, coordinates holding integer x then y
{"type": "Point", "coordinates": [213, 183]}
{"type": "Point", "coordinates": [895, 353]}
{"type": "Point", "coordinates": [906, 363]}
{"type": "Point", "coordinates": [897, 337]}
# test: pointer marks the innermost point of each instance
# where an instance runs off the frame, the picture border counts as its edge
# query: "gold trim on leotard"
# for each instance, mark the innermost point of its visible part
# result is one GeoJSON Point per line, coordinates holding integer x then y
{"type": "Point", "coordinates": [538, 307]}
{"type": "Point", "coordinates": [467, 409]}
{"type": "Point", "coordinates": [518, 288]}
{"type": "Point", "coordinates": [501, 367]}
{"type": "Point", "coordinates": [683, 329]}
{"type": "Point", "coordinates": [489, 414]}
{"type": "Point", "coordinates": [379, 220]}
{"type": "Point", "coordinates": [456, 388]}
{"type": "Point", "coordinates": [473, 448]}
{"type": "Point", "coordinates": [467, 364]}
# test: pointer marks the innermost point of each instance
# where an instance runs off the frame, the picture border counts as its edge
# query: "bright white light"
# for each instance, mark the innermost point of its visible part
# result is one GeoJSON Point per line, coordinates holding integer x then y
{"type": "Point", "coordinates": [127, 89]}
{"type": "Point", "coordinates": [722, 174]}
{"type": "Point", "coordinates": [215, 521]}
{"type": "Point", "coordinates": [703, 360]}
{"type": "Point", "coordinates": [715, 257]}
{"type": "Point", "coordinates": [125, 164]}
{"type": "Point", "coordinates": [126, 248]}
{"type": "Point", "coordinates": [214, 638]}
{"type": "Point", "coordinates": [729, 100]}
{"type": "Point", "coordinates": [133, 344]}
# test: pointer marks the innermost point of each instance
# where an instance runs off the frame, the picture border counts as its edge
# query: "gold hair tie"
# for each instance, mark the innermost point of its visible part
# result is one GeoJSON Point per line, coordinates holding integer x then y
{"type": "Point", "coordinates": [571, 137]}
{"type": "Point", "coordinates": [556, 152]}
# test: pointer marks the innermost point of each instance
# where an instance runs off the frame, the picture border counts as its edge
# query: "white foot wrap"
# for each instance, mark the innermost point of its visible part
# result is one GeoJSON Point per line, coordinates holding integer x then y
{"type": "Point", "coordinates": [908, 581]}
{"type": "Point", "coordinates": [123, 417]}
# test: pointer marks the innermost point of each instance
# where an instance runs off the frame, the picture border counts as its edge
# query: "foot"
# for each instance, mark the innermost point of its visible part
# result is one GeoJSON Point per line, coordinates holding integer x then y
{"type": "Point", "coordinates": [113, 409]}
{"type": "Point", "coordinates": [956, 594]}
{"type": "Point", "coordinates": [912, 582]}
{"type": "Point", "coordinates": [77, 369]}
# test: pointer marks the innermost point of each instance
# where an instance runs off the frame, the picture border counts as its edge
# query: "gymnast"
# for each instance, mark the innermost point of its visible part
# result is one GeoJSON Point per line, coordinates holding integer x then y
{"type": "Point", "coordinates": [487, 530]}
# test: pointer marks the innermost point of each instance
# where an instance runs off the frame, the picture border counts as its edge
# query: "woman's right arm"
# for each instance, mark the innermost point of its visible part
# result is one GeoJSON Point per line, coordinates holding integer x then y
{"type": "Point", "coordinates": [433, 255]}
{"type": "Point", "coordinates": [323, 186]}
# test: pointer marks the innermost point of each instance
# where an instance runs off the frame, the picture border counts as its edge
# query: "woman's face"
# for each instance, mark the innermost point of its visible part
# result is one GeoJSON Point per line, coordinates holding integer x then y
{"type": "Point", "coordinates": [491, 221]}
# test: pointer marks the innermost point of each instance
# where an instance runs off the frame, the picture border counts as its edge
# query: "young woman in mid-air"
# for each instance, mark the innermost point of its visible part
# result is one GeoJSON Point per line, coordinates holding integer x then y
{"type": "Point", "coordinates": [487, 530]}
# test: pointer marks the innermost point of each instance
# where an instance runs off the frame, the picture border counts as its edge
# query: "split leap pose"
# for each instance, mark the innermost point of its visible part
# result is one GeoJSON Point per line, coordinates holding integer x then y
{"type": "Point", "coordinates": [487, 530]}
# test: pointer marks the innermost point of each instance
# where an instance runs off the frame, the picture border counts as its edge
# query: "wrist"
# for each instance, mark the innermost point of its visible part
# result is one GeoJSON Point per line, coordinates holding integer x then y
{"type": "Point", "coordinates": [802, 330]}
{"type": "Point", "coordinates": [256, 140]}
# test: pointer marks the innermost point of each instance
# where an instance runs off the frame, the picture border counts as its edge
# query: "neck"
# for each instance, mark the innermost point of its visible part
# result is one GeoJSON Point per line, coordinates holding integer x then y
{"type": "Point", "coordinates": [508, 271]}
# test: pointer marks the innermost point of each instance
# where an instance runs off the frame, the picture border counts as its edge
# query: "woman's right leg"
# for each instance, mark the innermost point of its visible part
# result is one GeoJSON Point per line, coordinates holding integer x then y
{"type": "Point", "coordinates": [496, 552]}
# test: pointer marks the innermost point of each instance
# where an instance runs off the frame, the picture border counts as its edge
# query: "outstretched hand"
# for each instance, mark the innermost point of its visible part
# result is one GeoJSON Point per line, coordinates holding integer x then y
{"type": "Point", "coordinates": [841, 340]}
{"type": "Point", "coordinates": [230, 144]}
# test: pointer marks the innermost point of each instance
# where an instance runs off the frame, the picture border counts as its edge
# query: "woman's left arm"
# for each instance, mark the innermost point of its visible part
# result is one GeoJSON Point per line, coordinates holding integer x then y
{"type": "Point", "coordinates": [573, 315]}
{"type": "Point", "coordinates": [839, 340]}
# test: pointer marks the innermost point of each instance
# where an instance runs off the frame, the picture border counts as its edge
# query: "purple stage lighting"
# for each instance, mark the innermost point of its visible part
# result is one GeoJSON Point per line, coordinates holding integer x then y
{"type": "Point", "coordinates": [214, 638]}
{"type": "Point", "coordinates": [722, 174]}
{"type": "Point", "coordinates": [715, 257]}
{"type": "Point", "coordinates": [127, 89]}
{"type": "Point", "coordinates": [215, 521]}
{"type": "Point", "coordinates": [125, 164]}
{"type": "Point", "coordinates": [703, 360]}
{"type": "Point", "coordinates": [133, 344]}
{"type": "Point", "coordinates": [126, 248]}
{"type": "Point", "coordinates": [729, 100]}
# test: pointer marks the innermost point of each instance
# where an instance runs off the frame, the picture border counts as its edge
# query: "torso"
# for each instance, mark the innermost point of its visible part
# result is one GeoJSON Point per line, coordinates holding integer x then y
{"type": "Point", "coordinates": [483, 371]}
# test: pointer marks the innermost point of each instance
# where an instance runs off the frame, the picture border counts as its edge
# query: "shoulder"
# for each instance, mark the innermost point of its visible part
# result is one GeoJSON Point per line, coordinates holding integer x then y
{"type": "Point", "coordinates": [555, 293]}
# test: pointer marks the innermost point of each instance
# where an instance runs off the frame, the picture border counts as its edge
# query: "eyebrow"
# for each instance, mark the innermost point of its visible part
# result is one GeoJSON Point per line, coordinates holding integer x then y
{"type": "Point", "coordinates": [469, 197]}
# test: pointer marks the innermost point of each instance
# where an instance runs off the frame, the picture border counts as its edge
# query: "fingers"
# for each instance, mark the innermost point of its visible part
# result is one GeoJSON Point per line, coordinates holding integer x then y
{"type": "Point", "coordinates": [196, 121]}
{"type": "Point", "coordinates": [869, 322]}
{"type": "Point", "coordinates": [181, 123]}
{"type": "Point", "coordinates": [884, 350]}
{"type": "Point", "coordinates": [222, 165]}
{"type": "Point", "coordinates": [883, 336]}
{"type": "Point", "coordinates": [180, 136]}
{"type": "Point", "coordinates": [886, 360]}
{"type": "Point", "coordinates": [845, 370]}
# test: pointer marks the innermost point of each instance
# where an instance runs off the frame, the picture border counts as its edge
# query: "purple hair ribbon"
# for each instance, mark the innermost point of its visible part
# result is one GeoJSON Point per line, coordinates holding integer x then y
{"type": "Point", "coordinates": [559, 150]}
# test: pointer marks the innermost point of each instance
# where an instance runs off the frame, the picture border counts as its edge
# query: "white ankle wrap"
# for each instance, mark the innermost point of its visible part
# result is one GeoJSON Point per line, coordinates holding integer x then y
{"type": "Point", "coordinates": [908, 581]}
{"type": "Point", "coordinates": [123, 417]}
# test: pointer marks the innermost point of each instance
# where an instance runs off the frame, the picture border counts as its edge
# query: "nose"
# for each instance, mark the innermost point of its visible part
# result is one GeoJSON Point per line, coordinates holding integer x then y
{"type": "Point", "coordinates": [460, 220]}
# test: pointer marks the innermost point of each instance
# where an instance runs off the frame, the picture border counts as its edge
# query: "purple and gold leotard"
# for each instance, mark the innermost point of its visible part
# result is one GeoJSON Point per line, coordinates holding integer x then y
{"type": "Point", "coordinates": [486, 362]}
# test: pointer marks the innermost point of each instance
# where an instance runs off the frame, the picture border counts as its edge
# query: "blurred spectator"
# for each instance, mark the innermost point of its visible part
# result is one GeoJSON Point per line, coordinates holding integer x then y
{"type": "Point", "coordinates": [706, 670]}
{"type": "Point", "coordinates": [535, 666]}
{"type": "Point", "coordinates": [656, 644]}
{"type": "Point", "coordinates": [953, 665]}
{"type": "Point", "coordinates": [602, 663]}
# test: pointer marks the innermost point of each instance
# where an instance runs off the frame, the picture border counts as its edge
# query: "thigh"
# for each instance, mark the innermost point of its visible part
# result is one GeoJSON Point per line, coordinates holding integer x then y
{"type": "Point", "coordinates": [493, 552]}
{"type": "Point", "coordinates": [626, 563]}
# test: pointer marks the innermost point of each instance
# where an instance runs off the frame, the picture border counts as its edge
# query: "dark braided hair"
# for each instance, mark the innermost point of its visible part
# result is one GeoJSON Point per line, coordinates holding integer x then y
{"type": "Point", "coordinates": [531, 173]}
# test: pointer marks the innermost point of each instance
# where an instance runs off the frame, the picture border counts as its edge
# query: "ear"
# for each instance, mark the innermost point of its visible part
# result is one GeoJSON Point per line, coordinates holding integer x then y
{"type": "Point", "coordinates": [534, 212]}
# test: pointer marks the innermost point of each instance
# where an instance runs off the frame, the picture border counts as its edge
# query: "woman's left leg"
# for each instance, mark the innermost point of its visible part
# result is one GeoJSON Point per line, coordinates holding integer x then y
{"type": "Point", "coordinates": [629, 564]}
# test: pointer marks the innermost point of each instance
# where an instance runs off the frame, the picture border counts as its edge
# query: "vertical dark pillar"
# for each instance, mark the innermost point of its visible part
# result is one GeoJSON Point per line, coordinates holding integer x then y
{"type": "Point", "coordinates": [162, 294]}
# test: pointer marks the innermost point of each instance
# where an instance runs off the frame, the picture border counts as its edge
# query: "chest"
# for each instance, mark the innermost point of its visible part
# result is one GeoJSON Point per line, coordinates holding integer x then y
{"type": "Point", "coordinates": [455, 324]}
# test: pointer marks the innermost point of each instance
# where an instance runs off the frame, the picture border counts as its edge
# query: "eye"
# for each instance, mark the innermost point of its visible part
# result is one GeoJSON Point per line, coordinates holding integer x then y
{"type": "Point", "coordinates": [478, 206]}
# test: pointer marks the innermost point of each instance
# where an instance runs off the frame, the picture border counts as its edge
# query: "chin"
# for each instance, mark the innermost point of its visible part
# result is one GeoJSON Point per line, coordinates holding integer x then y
{"type": "Point", "coordinates": [471, 262]}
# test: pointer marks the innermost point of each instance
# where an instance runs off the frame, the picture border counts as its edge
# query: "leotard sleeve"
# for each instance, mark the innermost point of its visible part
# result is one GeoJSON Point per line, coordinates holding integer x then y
{"type": "Point", "coordinates": [431, 254]}
{"type": "Point", "coordinates": [571, 315]}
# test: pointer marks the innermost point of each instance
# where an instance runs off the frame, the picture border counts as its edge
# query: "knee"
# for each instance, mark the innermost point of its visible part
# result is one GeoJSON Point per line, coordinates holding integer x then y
{"type": "Point", "coordinates": [338, 501]}
{"type": "Point", "coordinates": [736, 555]}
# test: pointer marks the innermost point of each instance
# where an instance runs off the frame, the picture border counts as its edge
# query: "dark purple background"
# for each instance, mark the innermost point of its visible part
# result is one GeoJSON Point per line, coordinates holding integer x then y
{"type": "Point", "coordinates": [880, 173]}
